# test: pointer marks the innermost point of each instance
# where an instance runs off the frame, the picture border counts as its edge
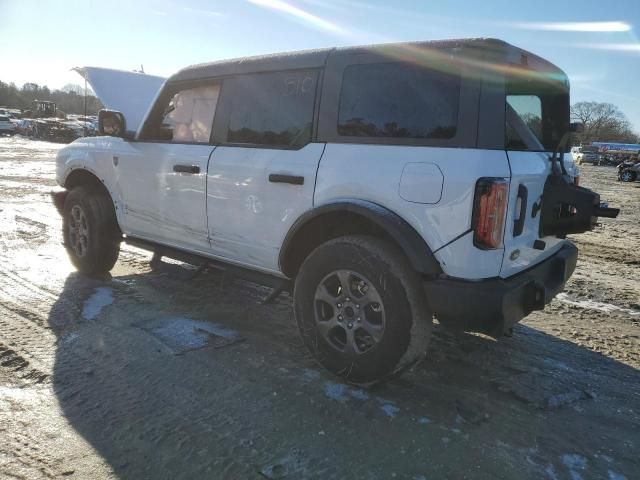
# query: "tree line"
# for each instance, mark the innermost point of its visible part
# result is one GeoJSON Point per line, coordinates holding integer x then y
{"type": "Point", "coordinates": [603, 122]}
{"type": "Point", "coordinates": [69, 99]}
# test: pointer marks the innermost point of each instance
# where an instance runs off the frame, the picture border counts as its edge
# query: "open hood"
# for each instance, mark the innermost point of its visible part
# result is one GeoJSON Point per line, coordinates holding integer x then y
{"type": "Point", "coordinates": [128, 92]}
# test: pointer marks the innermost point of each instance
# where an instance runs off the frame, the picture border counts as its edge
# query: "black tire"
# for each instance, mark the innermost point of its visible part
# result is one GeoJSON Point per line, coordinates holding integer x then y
{"type": "Point", "coordinates": [628, 176]}
{"type": "Point", "coordinates": [406, 319]}
{"type": "Point", "coordinates": [99, 253]}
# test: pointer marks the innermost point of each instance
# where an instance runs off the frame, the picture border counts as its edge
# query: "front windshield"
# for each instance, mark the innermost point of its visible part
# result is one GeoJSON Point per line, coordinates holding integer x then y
{"type": "Point", "coordinates": [537, 114]}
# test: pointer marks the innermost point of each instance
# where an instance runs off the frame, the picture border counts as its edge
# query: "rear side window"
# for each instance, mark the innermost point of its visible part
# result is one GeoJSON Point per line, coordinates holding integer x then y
{"type": "Point", "coordinates": [537, 113]}
{"type": "Point", "coordinates": [271, 109]}
{"type": "Point", "coordinates": [397, 100]}
{"type": "Point", "coordinates": [528, 111]}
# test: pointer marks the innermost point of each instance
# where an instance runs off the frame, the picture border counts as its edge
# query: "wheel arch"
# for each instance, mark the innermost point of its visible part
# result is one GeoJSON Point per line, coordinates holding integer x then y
{"type": "Point", "coordinates": [83, 177]}
{"type": "Point", "coordinates": [354, 216]}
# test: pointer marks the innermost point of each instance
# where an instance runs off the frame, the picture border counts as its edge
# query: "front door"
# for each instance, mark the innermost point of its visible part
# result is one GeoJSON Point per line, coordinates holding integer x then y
{"type": "Point", "coordinates": [262, 176]}
{"type": "Point", "coordinates": [162, 176]}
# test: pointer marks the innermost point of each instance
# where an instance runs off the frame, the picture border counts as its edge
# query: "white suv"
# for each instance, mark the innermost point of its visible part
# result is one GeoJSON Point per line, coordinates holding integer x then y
{"type": "Point", "coordinates": [383, 185]}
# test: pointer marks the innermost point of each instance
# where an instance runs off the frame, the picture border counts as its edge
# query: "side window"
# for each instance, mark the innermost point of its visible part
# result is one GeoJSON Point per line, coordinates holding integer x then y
{"type": "Point", "coordinates": [527, 110]}
{"type": "Point", "coordinates": [271, 109]}
{"type": "Point", "coordinates": [187, 116]}
{"type": "Point", "coordinates": [397, 100]}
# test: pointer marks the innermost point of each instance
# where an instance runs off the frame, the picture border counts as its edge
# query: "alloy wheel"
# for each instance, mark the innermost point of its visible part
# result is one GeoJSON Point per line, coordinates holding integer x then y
{"type": "Point", "coordinates": [349, 312]}
{"type": "Point", "coordinates": [78, 231]}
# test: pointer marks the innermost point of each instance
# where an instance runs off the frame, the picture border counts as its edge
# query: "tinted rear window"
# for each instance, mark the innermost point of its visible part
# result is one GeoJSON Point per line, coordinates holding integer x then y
{"type": "Point", "coordinates": [396, 100]}
{"type": "Point", "coordinates": [4, 119]}
{"type": "Point", "coordinates": [272, 109]}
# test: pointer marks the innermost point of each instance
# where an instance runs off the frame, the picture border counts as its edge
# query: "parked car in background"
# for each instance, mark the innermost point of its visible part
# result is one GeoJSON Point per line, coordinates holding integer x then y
{"type": "Point", "coordinates": [7, 127]}
{"type": "Point", "coordinates": [588, 157]}
{"type": "Point", "coordinates": [628, 171]}
{"type": "Point", "coordinates": [575, 151]}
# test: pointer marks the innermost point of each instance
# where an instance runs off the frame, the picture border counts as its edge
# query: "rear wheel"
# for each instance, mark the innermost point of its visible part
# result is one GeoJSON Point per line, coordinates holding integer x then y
{"type": "Point", "coordinates": [360, 309]}
{"type": "Point", "coordinates": [90, 230]}
{"type": "Point", "coordinates": [628, 176]}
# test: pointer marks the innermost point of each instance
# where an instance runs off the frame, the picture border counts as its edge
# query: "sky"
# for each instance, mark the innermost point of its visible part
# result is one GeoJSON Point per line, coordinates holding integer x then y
{"type": "Point", "coordinates": [595, 42]}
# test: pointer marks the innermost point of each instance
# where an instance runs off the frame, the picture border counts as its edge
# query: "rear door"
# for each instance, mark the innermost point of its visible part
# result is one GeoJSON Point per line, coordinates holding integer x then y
{"type": "Point", "coordinates": [261, 177]}
{"type": "Point", "coordinates": [533, 128]}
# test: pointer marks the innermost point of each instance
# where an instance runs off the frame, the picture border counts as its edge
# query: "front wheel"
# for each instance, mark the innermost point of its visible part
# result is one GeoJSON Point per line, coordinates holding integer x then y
{"type": "Point", "coordinates": [90, 231]}
{"type": "Point", "coordinates": [628, 176]}
{"type": "Point", "coordinates": [360, 309]}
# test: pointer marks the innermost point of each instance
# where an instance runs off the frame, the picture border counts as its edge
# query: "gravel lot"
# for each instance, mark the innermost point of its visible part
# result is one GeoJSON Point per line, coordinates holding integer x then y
{"type": "Point", "coordinates": [151, 374]}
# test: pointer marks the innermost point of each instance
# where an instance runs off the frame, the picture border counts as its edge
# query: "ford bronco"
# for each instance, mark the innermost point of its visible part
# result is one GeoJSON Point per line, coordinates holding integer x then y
{"type": "Point", "coordinates": [381, 185]}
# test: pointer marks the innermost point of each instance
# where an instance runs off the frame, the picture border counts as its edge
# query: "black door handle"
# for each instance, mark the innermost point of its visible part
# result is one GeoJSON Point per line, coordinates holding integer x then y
{"type": "Point", "coordinates": [284, 178]}
{"type": "Point", "coordinates": [518, 225]}
{"type": "Point", "coordinates": [186, 169]}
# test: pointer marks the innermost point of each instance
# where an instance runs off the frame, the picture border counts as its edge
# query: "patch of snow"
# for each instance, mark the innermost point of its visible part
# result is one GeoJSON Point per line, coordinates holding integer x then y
{"type": "Point", "coordinates": [593, 305]}
{"type": "Point", "coordinates": [70, 338]}
{"type": "Point", "coordinates": [390, 409]}
{"type": "Point", "coordinates": [359, 394]}
{"type": "Point", "coordinates": [551, 472]}
{"type": "Point", "coordinates": [574, 464]}
{"type": "Point", "coordinates": [423, 421]}
{"type": "Point", "coordinates": [615, 476]}
{"type": "Point", "coordinates": [183, 334]}
{"type": "Point", "coordinates": [92, 307]}
{"type": "Point", "coordinates": [309, 375]}
{"type": "Point", "coordinates": [15, 393]}
{"type": "Point", "coordinates": [335, 391]}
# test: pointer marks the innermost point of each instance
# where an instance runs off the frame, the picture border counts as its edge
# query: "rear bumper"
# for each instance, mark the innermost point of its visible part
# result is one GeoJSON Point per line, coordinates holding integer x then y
{"type": "Point", "coordinates": [495, 305]}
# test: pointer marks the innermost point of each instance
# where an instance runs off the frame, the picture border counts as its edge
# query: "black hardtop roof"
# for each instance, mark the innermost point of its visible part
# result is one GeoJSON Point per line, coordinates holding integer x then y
{"type": "Point", "coordinates": [307, 59]}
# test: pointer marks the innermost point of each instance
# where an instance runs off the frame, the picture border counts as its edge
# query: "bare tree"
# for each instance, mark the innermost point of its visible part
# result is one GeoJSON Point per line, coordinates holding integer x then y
{"type": "Point", "coordinates": [602, 122]}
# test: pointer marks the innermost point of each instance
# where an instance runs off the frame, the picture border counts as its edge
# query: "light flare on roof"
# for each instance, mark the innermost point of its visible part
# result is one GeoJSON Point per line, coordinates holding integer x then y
{"type": "Point", "coordinates": [451, 62]}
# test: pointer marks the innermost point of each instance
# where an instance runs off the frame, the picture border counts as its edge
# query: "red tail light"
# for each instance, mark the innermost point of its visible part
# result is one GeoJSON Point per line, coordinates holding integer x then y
{"type": "Point", "coordinates": [489, 207]}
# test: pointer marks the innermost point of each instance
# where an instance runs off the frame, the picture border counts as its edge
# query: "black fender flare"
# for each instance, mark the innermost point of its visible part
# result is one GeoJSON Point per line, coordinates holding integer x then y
{"type": "Point", "coordinates": [405, 236]}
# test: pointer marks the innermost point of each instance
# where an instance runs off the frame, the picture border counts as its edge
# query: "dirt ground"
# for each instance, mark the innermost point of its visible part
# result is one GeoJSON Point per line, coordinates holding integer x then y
{"type": "Point", "coordinates": [155, 375]}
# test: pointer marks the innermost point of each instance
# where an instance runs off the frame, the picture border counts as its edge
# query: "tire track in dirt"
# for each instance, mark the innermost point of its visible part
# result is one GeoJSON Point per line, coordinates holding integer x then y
{"type": "Point", "coordinates": [26, 459]}
{"type": "Point", "coordinates": [27, 347]}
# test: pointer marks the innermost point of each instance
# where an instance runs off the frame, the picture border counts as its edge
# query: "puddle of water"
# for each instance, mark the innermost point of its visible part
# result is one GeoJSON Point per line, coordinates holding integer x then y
{"type": "Point", "coordinates": [182, 334]}
{"type": "Point", "coordinates": [593, 305]}
{"type": "Point", "coordinates": [92, 307]}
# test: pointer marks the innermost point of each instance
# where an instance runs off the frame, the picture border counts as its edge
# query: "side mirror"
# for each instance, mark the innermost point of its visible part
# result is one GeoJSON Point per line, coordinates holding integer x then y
{"type": "Point", "coordinates": [577, 127]}
{"type": "Point", "coordinates": [111, 123]}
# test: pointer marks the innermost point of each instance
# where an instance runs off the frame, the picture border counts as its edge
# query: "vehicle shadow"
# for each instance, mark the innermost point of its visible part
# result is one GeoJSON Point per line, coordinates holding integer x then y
{"type": "Point", "coordinates": [261, 408]}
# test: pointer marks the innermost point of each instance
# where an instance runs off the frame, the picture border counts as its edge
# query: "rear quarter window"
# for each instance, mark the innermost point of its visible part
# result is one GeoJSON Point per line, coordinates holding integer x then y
{"type": "Point", "coordinates": [398, 101]}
